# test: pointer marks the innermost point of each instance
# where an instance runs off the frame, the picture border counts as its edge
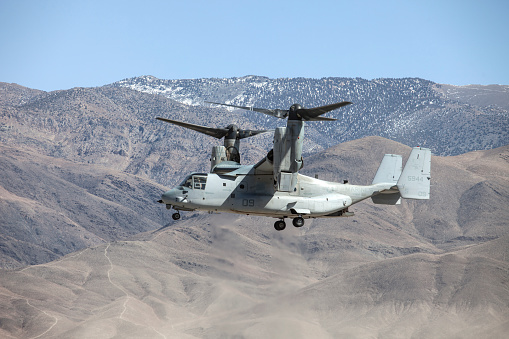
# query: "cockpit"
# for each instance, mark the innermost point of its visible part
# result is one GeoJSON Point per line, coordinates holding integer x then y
{"type": "Point", "coordinates": [195, 181]}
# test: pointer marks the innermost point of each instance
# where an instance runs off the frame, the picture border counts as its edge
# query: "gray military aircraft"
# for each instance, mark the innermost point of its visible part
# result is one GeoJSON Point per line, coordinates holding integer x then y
{"type": "Point", "coordinates": [274, 188]}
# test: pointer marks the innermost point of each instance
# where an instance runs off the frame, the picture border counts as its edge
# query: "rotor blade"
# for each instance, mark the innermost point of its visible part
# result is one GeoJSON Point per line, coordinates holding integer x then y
{"type": "Point", "coordinates": [213, 132]}
{"type": "Point", "coordinates": [321, 119]}
{"type": "Point", "coordinates": [313, 114]}
{"type": "Point", "coordinates": [246, 133]}
{"type": "Point", "coordinates": [278, 113]}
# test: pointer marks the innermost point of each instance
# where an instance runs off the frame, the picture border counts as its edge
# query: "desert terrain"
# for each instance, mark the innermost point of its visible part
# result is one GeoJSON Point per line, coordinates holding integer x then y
{"type": "Point", "coordinates": [422, 269]}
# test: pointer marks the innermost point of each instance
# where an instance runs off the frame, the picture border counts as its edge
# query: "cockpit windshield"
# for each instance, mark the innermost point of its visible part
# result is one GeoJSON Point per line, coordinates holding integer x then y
{"type": "Point", "coordinates": [188, 182]}
{"type": "Point", "coordinates": [195, 181]}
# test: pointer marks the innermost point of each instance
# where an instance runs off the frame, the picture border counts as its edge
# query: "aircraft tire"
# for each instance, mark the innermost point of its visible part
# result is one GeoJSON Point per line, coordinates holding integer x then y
{"type": "Point", "coordinates": [279, 225]}
{"type": "Point", "coordinates": [175, 216]}
{"type": "Point", "coordinates": [298, 222]}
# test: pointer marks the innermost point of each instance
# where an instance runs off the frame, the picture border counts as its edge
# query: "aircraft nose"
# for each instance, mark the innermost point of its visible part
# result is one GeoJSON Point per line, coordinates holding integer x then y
{"type": "Point", "coordinates": [172, 196]}
{"type": "Point", "coordinates": [168, 197]}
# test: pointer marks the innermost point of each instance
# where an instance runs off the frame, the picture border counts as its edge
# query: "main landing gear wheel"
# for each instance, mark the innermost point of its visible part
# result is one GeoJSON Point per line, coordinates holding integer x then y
{"type": "Point", "coordinates": [279, 225]}
{"type": "Point", "coordinates": [176, 216]}
{"type": "Point", "coordinates": [298, 222]}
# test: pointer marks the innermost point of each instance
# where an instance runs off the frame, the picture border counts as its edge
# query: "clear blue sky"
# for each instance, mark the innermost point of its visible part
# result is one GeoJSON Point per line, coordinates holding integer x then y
{"type": "Point", "coordinates": [51, 45]}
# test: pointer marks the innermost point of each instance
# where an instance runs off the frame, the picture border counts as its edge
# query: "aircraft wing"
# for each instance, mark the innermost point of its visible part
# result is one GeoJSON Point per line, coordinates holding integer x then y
{"type": "Point", "coordinates": [265, 166]}
{"type": "Point", "coordinates": [249, 133]}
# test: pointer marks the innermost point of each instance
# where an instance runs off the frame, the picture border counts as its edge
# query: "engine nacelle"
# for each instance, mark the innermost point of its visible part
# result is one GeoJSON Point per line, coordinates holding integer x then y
{"type": "Point", "coordinates": [288, 155]}
{"type": "Point", "coordinates": [217, 156]}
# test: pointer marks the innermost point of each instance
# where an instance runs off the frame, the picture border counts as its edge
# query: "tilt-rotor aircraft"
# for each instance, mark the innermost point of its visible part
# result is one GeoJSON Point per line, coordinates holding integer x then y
{"type": "Point", "coordinates": [274, 187]}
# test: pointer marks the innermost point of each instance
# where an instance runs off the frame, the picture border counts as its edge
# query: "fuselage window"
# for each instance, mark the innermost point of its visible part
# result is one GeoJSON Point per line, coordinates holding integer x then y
{"type": "Point", "coordinates": [199, 182]}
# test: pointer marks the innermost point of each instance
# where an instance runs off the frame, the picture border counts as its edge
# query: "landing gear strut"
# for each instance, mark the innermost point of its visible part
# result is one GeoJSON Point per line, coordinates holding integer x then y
{"type": "Point", "coordinates": [298, 222]}
{"type": "Point", "coordinates": [176, 216]}
{"type": "Point", "coordinates": [280, 225]}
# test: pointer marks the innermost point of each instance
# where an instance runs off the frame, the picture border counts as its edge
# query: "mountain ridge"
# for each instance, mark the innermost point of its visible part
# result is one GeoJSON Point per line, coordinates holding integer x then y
{"type": "Point", "coordinates": [403, 110]}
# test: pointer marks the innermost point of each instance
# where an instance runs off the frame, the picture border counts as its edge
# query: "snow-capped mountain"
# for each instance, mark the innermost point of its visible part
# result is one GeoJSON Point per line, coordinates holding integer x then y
{"type": "Point", "coordinates": [410, 110]}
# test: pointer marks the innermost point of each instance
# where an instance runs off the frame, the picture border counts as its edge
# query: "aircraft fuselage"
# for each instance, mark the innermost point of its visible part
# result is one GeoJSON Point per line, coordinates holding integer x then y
{"type": "Point", "coordinates": [248, 193]}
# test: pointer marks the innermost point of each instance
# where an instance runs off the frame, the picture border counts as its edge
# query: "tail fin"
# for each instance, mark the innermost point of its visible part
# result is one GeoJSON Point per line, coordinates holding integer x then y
{"type": "Point", "coordinates": [414, 182]}
{"type": "Point", "coordinates": [389, 171]}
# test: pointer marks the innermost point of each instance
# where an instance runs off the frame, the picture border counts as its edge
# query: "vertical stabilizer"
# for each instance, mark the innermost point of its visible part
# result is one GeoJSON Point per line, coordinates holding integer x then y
{"type": "Point", "coordinates": [414, 182]}
{"type": "Point", "coordinates": [389, 170]}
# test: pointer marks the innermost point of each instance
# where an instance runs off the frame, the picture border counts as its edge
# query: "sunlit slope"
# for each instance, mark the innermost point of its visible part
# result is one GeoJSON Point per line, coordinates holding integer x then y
{"type": "Point", "coordinates": [216, 279]}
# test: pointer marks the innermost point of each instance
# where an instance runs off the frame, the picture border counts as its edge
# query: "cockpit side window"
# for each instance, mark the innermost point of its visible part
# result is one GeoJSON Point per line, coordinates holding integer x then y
{"type": "Point", "coordinates": [199, 182]}
{"type": "Point", "coordinates": [195, 181]}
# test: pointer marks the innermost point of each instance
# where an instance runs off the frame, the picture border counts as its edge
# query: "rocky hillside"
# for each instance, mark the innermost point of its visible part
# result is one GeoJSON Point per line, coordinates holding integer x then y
{"type": "Point", "coordinates": [448, 119]}
{"type": "Point", "coordinates": [116, 128]}
{"type": "Point", "coordinates": [85, 204]}
{"type": "Point", "coordinates": [50, 207]}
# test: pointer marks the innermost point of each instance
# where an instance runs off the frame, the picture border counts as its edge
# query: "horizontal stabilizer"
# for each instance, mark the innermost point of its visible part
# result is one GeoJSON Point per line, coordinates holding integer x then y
{"type": "Point", "coordinates": [414, 182]}
{"type": "Point", "coordinates": [387, 199]}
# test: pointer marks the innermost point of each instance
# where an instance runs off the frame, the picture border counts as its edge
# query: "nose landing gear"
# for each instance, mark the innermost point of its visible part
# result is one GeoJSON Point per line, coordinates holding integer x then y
{"type": "Point", "coordinates": [176, 216]}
